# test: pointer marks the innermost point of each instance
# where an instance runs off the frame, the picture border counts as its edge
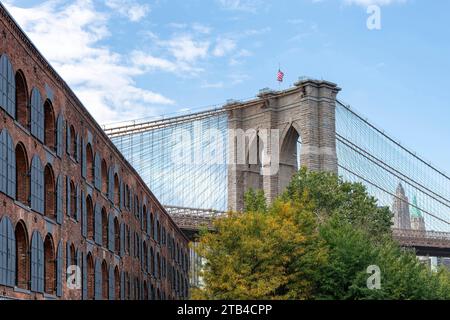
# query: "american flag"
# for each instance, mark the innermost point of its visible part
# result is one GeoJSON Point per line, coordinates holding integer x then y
{"type": "Point", "coordinates": [280, 75]}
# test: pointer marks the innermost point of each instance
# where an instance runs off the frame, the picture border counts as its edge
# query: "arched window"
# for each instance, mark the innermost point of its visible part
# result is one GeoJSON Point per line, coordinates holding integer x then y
{"type": "Point", "coordinates": [50, 265]}
{"type": "Point", "coordinates": [90, 277]}
{"type": "Point", "coordinates": [7, 165]}
{"type": "Point", "coordinates": [105, 281]}
{"type": "Point", "coordinates": [49, 125]}
{"type": "Point", "coordinates": [90, 217]}
{"type": "Point", "coordinates": [104, 177]}
{"type": "Point", "coordinates": [116, 190]}
{"type": "Point", "coordinates": [158, 266]}
{"type": "Point", "coordinates": [7, 253]}
{"type": "Point", "coordinates": [22, 177]}
{"type": "Point", "coordinates": [116, 236]}
{"type": "Point", "coordinates": [152, 229]}
{"type": "Point", "coordinates": [104, 228]}
{"type": "Point", "coordinates": [22, 112]}
{"type": "Point", "coordinates": [50, 192]}
{"type": "Point", "coordinates": [7, 86]}
{"type": "Point", "coordinates": [97, 171]}
{"type": "Point", "coordinates": [73, 258]}
{"type": "Point", "coordinates": [89, 163]}
{"type": "Point", "coordinates": [22, 257]}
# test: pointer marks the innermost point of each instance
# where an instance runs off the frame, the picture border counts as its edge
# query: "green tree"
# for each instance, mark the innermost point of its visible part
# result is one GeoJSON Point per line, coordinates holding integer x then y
{"type": "Point", "coordinates": [255, 201]}
{"type": "Point", "coordinates": [314, 242]}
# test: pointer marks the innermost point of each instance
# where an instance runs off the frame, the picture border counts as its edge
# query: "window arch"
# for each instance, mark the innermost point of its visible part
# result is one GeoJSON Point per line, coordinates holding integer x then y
{"type": "Point", "coordinates": [7, 164]}
{"type": "Point", "coordinates": [50, 192]}
{"type": "Point", "coordinates": [22, 177]}
{"type": "Point", "coordinates": [7, 253]}
{"type": "Point", "coordinates": [50, 265]}
{"type": "Point", "coordinates": [7, 86]}
{"type": "Point", "coordinates": [105, 223]}
{"type": "Point", "coordinates": [105, 281]}
{"type": "Point", "coordinates": [22, 257]}
{"type": "Point", "coordinates": [89, 163]}
{"type": "Point", "coordinates": [49, 125]}
{"type": "Point", "coordinates": [22, 112]}
{"type": "Point", "coordinates": [90, 277]}
{"type": "Point", "coordinates": [37, 115]}
{"type": "Point", "coordinates": [90, 217]}
{"type": "Point", "coordinates": [104, 171]}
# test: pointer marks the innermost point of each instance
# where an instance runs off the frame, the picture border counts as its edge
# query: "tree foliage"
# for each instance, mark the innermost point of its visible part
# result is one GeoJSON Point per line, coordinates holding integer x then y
{"type": "Point", "coordinates": [314, 242]}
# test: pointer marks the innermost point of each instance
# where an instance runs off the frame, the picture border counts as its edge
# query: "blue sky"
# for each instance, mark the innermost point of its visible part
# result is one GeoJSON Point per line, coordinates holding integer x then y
{"type": "Point", "coordinates": [128, 59]}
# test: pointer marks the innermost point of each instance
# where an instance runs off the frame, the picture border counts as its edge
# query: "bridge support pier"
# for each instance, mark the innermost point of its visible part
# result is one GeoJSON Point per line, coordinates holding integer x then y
{"type": "Point", "coordinates": [274, 124]}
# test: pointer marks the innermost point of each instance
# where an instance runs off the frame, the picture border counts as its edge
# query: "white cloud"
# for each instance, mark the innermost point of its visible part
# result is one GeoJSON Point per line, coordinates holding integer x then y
{"type": "Point", "coordinates": [129, 8]}
{"type": "Point", "coordinates": [185, 48]}
{"type": "Point", "coordinates": [366, 3]}
{"type": "Point", "coordinates": [69, 36]}
{"type": "Point", "coordinates": [224, 46]}
{"type": "Point", "coordinates": [241, 5]}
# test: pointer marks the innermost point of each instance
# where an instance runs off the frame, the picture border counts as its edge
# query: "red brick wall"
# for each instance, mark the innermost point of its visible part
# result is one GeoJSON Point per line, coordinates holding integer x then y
{"type": "Point", "coordinates": [37, 73]}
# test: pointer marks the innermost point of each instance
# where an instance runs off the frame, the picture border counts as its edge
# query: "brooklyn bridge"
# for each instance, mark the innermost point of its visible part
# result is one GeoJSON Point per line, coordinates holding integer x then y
{"type": "Point", "coordinates": [196, 166]}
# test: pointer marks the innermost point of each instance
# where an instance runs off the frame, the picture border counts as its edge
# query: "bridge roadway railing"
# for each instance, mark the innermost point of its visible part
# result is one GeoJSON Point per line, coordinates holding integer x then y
{"type": "Point", "coordinates": [419, 238]}
{"type": "Point", "coordinates": [193, 219]}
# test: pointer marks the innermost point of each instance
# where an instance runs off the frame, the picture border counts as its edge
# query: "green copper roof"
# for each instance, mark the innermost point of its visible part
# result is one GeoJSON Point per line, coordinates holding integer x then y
{"type": "Point", "coordinates": [415, 211]}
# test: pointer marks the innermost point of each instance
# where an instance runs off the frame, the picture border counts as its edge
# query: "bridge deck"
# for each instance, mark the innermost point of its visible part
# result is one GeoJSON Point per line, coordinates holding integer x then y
{"type": "Point", "coordinates": [431, 243]}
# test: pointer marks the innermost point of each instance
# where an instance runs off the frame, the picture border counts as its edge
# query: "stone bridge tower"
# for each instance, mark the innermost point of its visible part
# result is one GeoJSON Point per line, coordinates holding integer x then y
{"type": "Point", "coordinates": [302, 115]}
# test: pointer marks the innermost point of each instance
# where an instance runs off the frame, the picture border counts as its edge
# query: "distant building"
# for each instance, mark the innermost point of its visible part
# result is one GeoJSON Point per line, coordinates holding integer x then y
{"type": "Point", "coordinates": [417, 220]}
{"type": "Point", "coordinates": [400, 209]}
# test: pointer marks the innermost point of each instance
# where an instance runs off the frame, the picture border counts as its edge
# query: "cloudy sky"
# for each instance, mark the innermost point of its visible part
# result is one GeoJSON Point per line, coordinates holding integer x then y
{"type": "Point", "coordinates": [129, 59]}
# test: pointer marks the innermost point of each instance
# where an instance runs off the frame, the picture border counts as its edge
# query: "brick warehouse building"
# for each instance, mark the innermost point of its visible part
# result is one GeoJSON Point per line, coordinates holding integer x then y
{"type": "Point", "coordinates": [69, 198]}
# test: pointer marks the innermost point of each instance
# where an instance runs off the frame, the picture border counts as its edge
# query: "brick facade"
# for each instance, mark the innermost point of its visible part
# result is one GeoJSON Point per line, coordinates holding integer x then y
{"type": "Point", "coordinates": [148, 254]}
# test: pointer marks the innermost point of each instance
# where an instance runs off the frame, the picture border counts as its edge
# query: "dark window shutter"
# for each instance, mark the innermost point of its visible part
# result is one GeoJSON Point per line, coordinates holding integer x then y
{"type": "Point", "coordinates": [68, 198]}
{"type": "Point", "coordinates": [68, 138]}
{"type": "Point", "coordinates": [78, 205]}
{"type": "Point", "coordinates": [83, 158]}
{"type": "Point", "coordinates": [122, 239]}
{"type": "Point", "coordinates": [3, 161]}
{"type": "Point", "coordinates": [37, 115]}
{"type": "Point", "coordinates": [97, 172]}
{"type": "Point", "coordinates": [68, 257]}
{"type": "Point", "coordinates": [122, 196]}
{"type": "Point", "coordinates": [84, 221]}
{"type": "Point", "coordinates": [7, 86]}
{"type": "Point", "coordinates": [77, 148]}
{"type": "Point", "coordinates": [37, 263]}
{"type": "Point", "coordinates": [85, 284]}
{"type": "Point", "coordinates": [59, 135]}
{"type": "Point", "coordinates": [111, 232]}
{"type": "Point", "coordinates": [11, 166]}
{"type": "Point", "coordinates": [59, 264]}
{"type": "Point", "coordinates": [147, 216]}
{"type": "Point", "coordinates": [122, 285]}
{"type": "Point", "coordinates": [111, 183]}
{"type": "Point", "coordinates": [98, 280]}
{"type": "Point", "coordinates": [97, 224]}
{"type": "Point", "coordinates": [37, 185]}
{"type": "Point", "coordinates": [59, 199]}
{"type": "Point", "coordinates": [111, 283]}
{"type": "Point", "coordinates": [7, 253]}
